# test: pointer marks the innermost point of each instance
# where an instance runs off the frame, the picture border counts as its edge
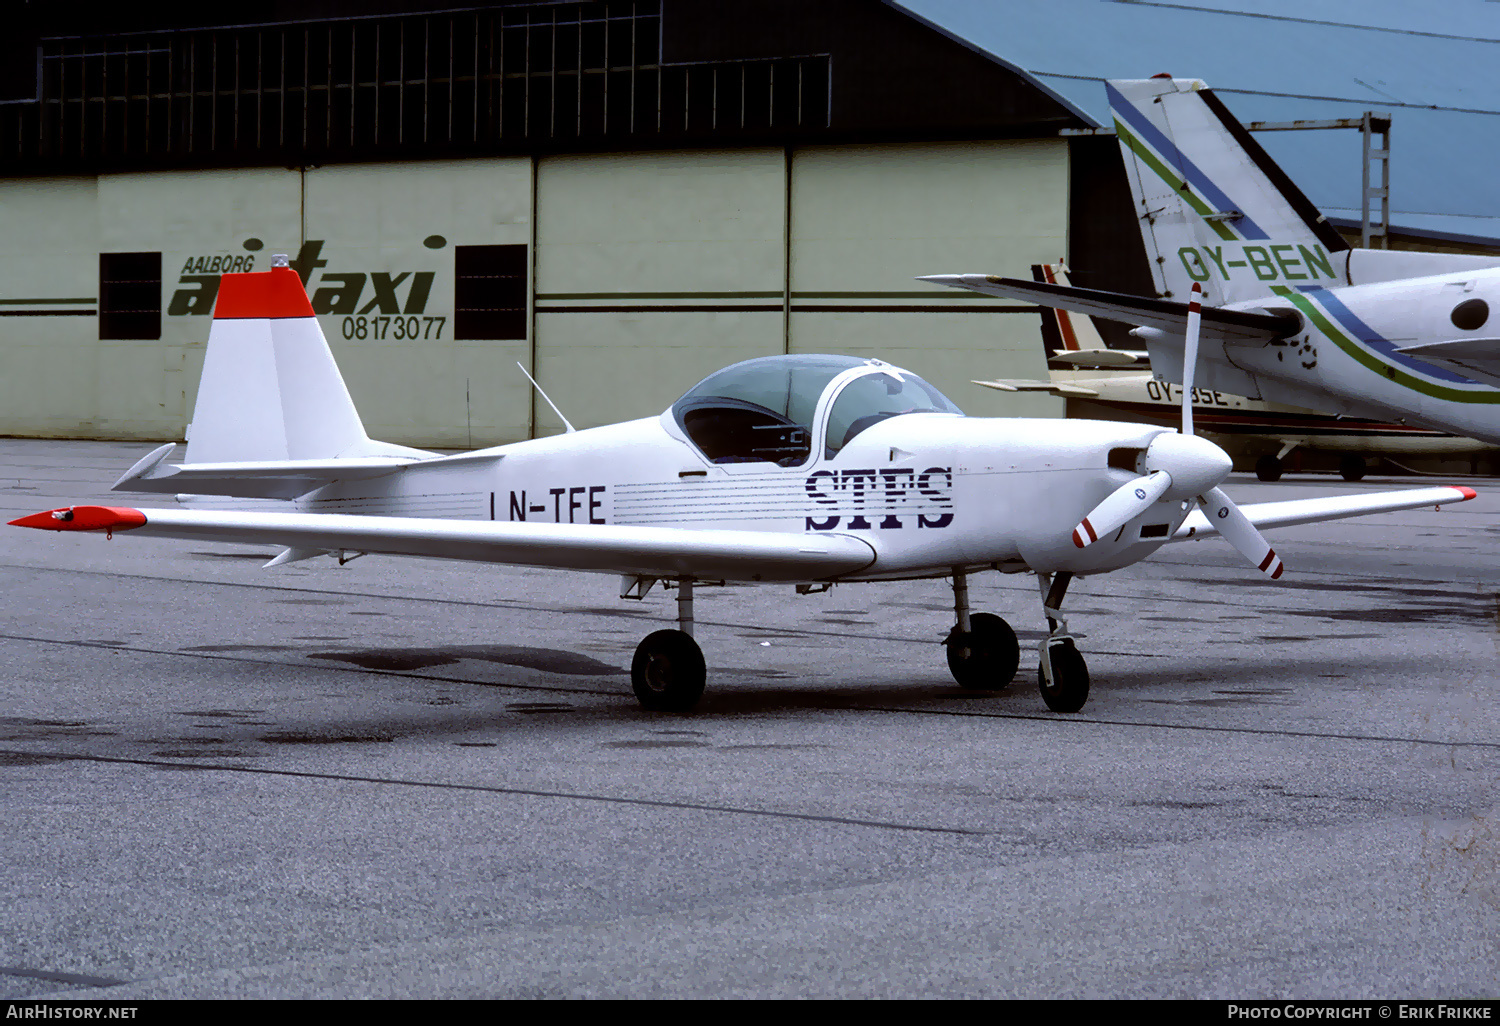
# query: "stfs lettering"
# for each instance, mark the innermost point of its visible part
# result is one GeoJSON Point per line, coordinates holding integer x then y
{"type": "Point", "coordinates": [887, 499]}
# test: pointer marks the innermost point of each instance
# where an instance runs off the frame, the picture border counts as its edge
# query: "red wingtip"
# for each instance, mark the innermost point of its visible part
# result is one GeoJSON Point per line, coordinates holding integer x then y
{"type": "Point", "coordinates": [274, 293]}
{"type": "Point", "coordinates": [84, 518]}
{"type": "Point", "coordinates": [1467, 492]}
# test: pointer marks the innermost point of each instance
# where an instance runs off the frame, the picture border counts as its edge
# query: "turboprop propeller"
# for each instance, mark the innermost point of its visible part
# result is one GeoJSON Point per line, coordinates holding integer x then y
{"type": "Point", "coordinates": [1182, 467]}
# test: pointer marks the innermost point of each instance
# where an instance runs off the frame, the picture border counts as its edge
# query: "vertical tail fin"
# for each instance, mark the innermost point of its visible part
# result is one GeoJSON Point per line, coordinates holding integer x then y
{"type": "Point", "coordinates": [270, 388]}
{"type": "Point", "coordinates": [1214, 208]}
{"type": "Point", "coordinates": [1062, 330]}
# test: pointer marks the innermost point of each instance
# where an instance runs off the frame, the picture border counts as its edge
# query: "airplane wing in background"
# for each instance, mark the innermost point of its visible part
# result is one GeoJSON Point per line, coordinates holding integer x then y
{"type": "Point", "coordinates": [1225, 325]}
{"type": "Point", "coordinates": [1026, 385]}
{"type": "Point", "coordinates": [643, 551]}
{"type": "Point", "coordinates": [1290, 513]}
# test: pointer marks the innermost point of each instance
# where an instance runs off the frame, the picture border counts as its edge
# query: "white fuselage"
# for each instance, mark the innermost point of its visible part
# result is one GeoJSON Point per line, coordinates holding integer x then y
{"type": "Point", "coordinates": [929, 491]}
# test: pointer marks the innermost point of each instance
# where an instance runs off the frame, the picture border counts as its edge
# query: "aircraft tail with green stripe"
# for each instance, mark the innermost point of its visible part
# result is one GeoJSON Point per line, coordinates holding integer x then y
{"type": "Point", "coordinates": [1291, 313]}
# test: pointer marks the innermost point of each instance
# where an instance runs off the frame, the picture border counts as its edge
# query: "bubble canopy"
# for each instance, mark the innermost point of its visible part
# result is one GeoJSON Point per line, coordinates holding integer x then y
{"type": "Point", "coordinates": [766, 410]}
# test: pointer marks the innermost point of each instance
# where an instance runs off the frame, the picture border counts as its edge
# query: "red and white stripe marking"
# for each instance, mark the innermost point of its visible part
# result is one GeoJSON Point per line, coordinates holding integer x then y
{"type": "Point", "coordinates": [1084, 534]}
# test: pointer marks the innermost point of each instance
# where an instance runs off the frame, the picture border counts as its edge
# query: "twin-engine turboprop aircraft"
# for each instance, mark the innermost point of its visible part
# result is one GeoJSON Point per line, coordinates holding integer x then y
{"type": "Point", "coordinates": [798, 470]}
{"type": "Point", "coordinates": [1292, 315]}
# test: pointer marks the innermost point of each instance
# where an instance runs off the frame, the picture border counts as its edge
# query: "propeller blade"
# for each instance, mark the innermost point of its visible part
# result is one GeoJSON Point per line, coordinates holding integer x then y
{"type": "Point", "coordinates": [1237, 529]}
{"type": "Point", "coordinates": [1121, 506]}
{"type": "Point", "coordinates": [1190, 355]}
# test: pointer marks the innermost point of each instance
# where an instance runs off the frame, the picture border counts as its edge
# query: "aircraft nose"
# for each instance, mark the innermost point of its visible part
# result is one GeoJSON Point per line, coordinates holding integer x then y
{"type": "Point", "coordinates": [1194, 464]}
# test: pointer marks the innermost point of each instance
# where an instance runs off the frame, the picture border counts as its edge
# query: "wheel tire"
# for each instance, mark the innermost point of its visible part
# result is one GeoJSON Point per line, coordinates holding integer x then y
{"type": "Point", "coordinates": [1268, 468]}
{"type": "Point", "coordinates": [1352, 468]}
{"type": "Point", "coordinates": [994, 654]}
{"type": "Point", "coordinates": [668, 673]}
{"type": "Point", "coordinates": [1070, 680]}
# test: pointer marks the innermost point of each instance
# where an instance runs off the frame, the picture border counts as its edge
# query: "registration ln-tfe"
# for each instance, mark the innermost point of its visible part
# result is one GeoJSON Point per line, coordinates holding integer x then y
{"type": "Point", "coordinates": [801, 471]}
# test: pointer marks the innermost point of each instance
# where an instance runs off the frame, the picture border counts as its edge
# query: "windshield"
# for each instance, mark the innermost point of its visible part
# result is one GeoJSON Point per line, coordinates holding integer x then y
{"type": "Point", "coordinates": [877, 396]}
{"type": "Point", "coordinates": [759, 410]}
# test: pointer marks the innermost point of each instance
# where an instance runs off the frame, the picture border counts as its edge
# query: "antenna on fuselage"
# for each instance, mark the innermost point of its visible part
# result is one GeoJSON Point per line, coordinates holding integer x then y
{"type": "Point", "coordinates": [550, 403]}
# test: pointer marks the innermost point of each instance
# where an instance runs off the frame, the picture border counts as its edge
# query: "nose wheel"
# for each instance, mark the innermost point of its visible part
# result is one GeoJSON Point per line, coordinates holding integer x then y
{"type": "Point", "coordinates": [1063, 676]}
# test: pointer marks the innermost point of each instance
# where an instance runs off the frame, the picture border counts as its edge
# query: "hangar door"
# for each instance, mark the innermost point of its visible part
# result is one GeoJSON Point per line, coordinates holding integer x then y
{"type": "Point", "coordinates": [867, 220]}
{"type": "Point", "coordinates": [653, 270]}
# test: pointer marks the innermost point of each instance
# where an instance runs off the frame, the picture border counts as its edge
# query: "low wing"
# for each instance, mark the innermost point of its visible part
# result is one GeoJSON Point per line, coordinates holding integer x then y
{"type": "Point", "coordinates": [644, 551]}
{"type": "Point", "coordinates": [1476, 358]}
{"type": "Point", "coordinates": [1162, 314]}
{"type": "Point", "coordinates": [266, 479]}
{"type": "Point", "coordinates": [1334, 507]}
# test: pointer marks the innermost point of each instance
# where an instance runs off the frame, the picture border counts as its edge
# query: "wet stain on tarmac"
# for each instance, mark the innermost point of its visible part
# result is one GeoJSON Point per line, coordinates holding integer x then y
{"type": "Point", "coordinates": [657, 743]}
{"type": "Point", "coordinates": [27, 759]}
{"type": "Point", "coordinates": [198, 753]}
{"type": "Point", "coordinates": [539, 707]}
{"type": "Point", "coordinates": [236, 648]}
{"type": "Point", "coordinates": [547, 660]}
{"type": "Point", "coordinates": [314, 738]}
{"type": "Point", "coordinates": [219, 713]}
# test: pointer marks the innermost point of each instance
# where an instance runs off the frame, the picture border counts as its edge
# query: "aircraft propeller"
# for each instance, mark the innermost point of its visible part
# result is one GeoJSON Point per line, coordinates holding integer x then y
{"type": "Point", "coordinates": [1182, 467]}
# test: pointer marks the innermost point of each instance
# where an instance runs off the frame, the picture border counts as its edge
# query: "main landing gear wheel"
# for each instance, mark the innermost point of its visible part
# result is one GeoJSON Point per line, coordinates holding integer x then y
{"type": "Point", "coordinates": [668, 673]}
{"type": "Point", "coordinates": [986, 658]}
{"type": "Point", "coordinates": [1352, 468]}
{"type": "Point", "coordinates": [1068, 688]}
{"type": "Point", "coordinates": [1268, 468]}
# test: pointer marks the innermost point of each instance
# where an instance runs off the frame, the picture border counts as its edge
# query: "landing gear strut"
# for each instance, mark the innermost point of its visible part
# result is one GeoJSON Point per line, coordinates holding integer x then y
{"type": "Point", "coordinates": [668, 672]}
{"type": "Point", "coordinates": [1063, 676]}
{"type": "Point", "coordinates": [982, 649]}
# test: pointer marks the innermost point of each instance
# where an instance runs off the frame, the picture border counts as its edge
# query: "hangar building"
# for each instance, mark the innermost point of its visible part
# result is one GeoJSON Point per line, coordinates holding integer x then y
{"type": "Point", "coordinates": [621, 195]}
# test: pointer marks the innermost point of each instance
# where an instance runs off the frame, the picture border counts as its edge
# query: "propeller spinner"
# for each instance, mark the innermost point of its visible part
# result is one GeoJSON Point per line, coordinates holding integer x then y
{"type": "Point", "coordinates": [1183, 466]}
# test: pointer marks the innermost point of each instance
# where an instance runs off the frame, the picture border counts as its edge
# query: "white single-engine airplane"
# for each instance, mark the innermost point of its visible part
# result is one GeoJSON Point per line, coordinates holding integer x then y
{"type": "Point", "coordinates": [1292, 315]}
{"type": "Point", "coordinates": [805, 470]}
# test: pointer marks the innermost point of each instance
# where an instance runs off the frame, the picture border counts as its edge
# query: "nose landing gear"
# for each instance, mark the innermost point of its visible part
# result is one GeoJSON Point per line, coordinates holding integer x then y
{"type": "Point", "coordinates": [1063, 675]}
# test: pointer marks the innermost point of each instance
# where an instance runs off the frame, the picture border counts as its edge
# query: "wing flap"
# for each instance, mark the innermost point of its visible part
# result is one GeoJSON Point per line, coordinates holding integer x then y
{"type": "Point", "coordinates": [1477, 358]}
{"type": "Point", "coordinates": [1292, 512]}
{"type": "Point", "coordinates": [1162, 314]}
{"type": "Point", "coordinates": [643, 551]}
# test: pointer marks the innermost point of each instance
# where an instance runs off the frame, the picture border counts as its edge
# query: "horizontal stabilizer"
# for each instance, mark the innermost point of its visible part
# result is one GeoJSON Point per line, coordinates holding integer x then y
{"type": "Point", "coordinates": [1476, 358]}
{"type": "Point", "coordinates": [267, 479]}
{"type": "Point", "coordinates": [1292, 512]}
{"type": "Point", "coordinates": [1101, 358]}
{"type": "Point", "coordinates": [1052, 387]}
{"type": "Point", "coordinates": [643, 551]}
{"type": "Point", "coordinates": [1162, 314]}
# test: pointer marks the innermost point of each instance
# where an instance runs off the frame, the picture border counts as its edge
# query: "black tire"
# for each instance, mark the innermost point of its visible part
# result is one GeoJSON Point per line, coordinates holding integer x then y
{"type": "Point", "coordinates": [668, 673]}
{"type": "Point", "coordinates": [1268, 468]}
{"type": "Point", "coordinates": [1352, 468]}
{"type": "Point", "coordinates": [993, 654]}
{"type": "Point", "coordinates": [1070, 680]}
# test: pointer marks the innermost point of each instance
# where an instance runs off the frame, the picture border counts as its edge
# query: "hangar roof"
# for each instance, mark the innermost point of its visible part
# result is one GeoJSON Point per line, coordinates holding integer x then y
{"type": "Point", "coordinates": [1435, 69]}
